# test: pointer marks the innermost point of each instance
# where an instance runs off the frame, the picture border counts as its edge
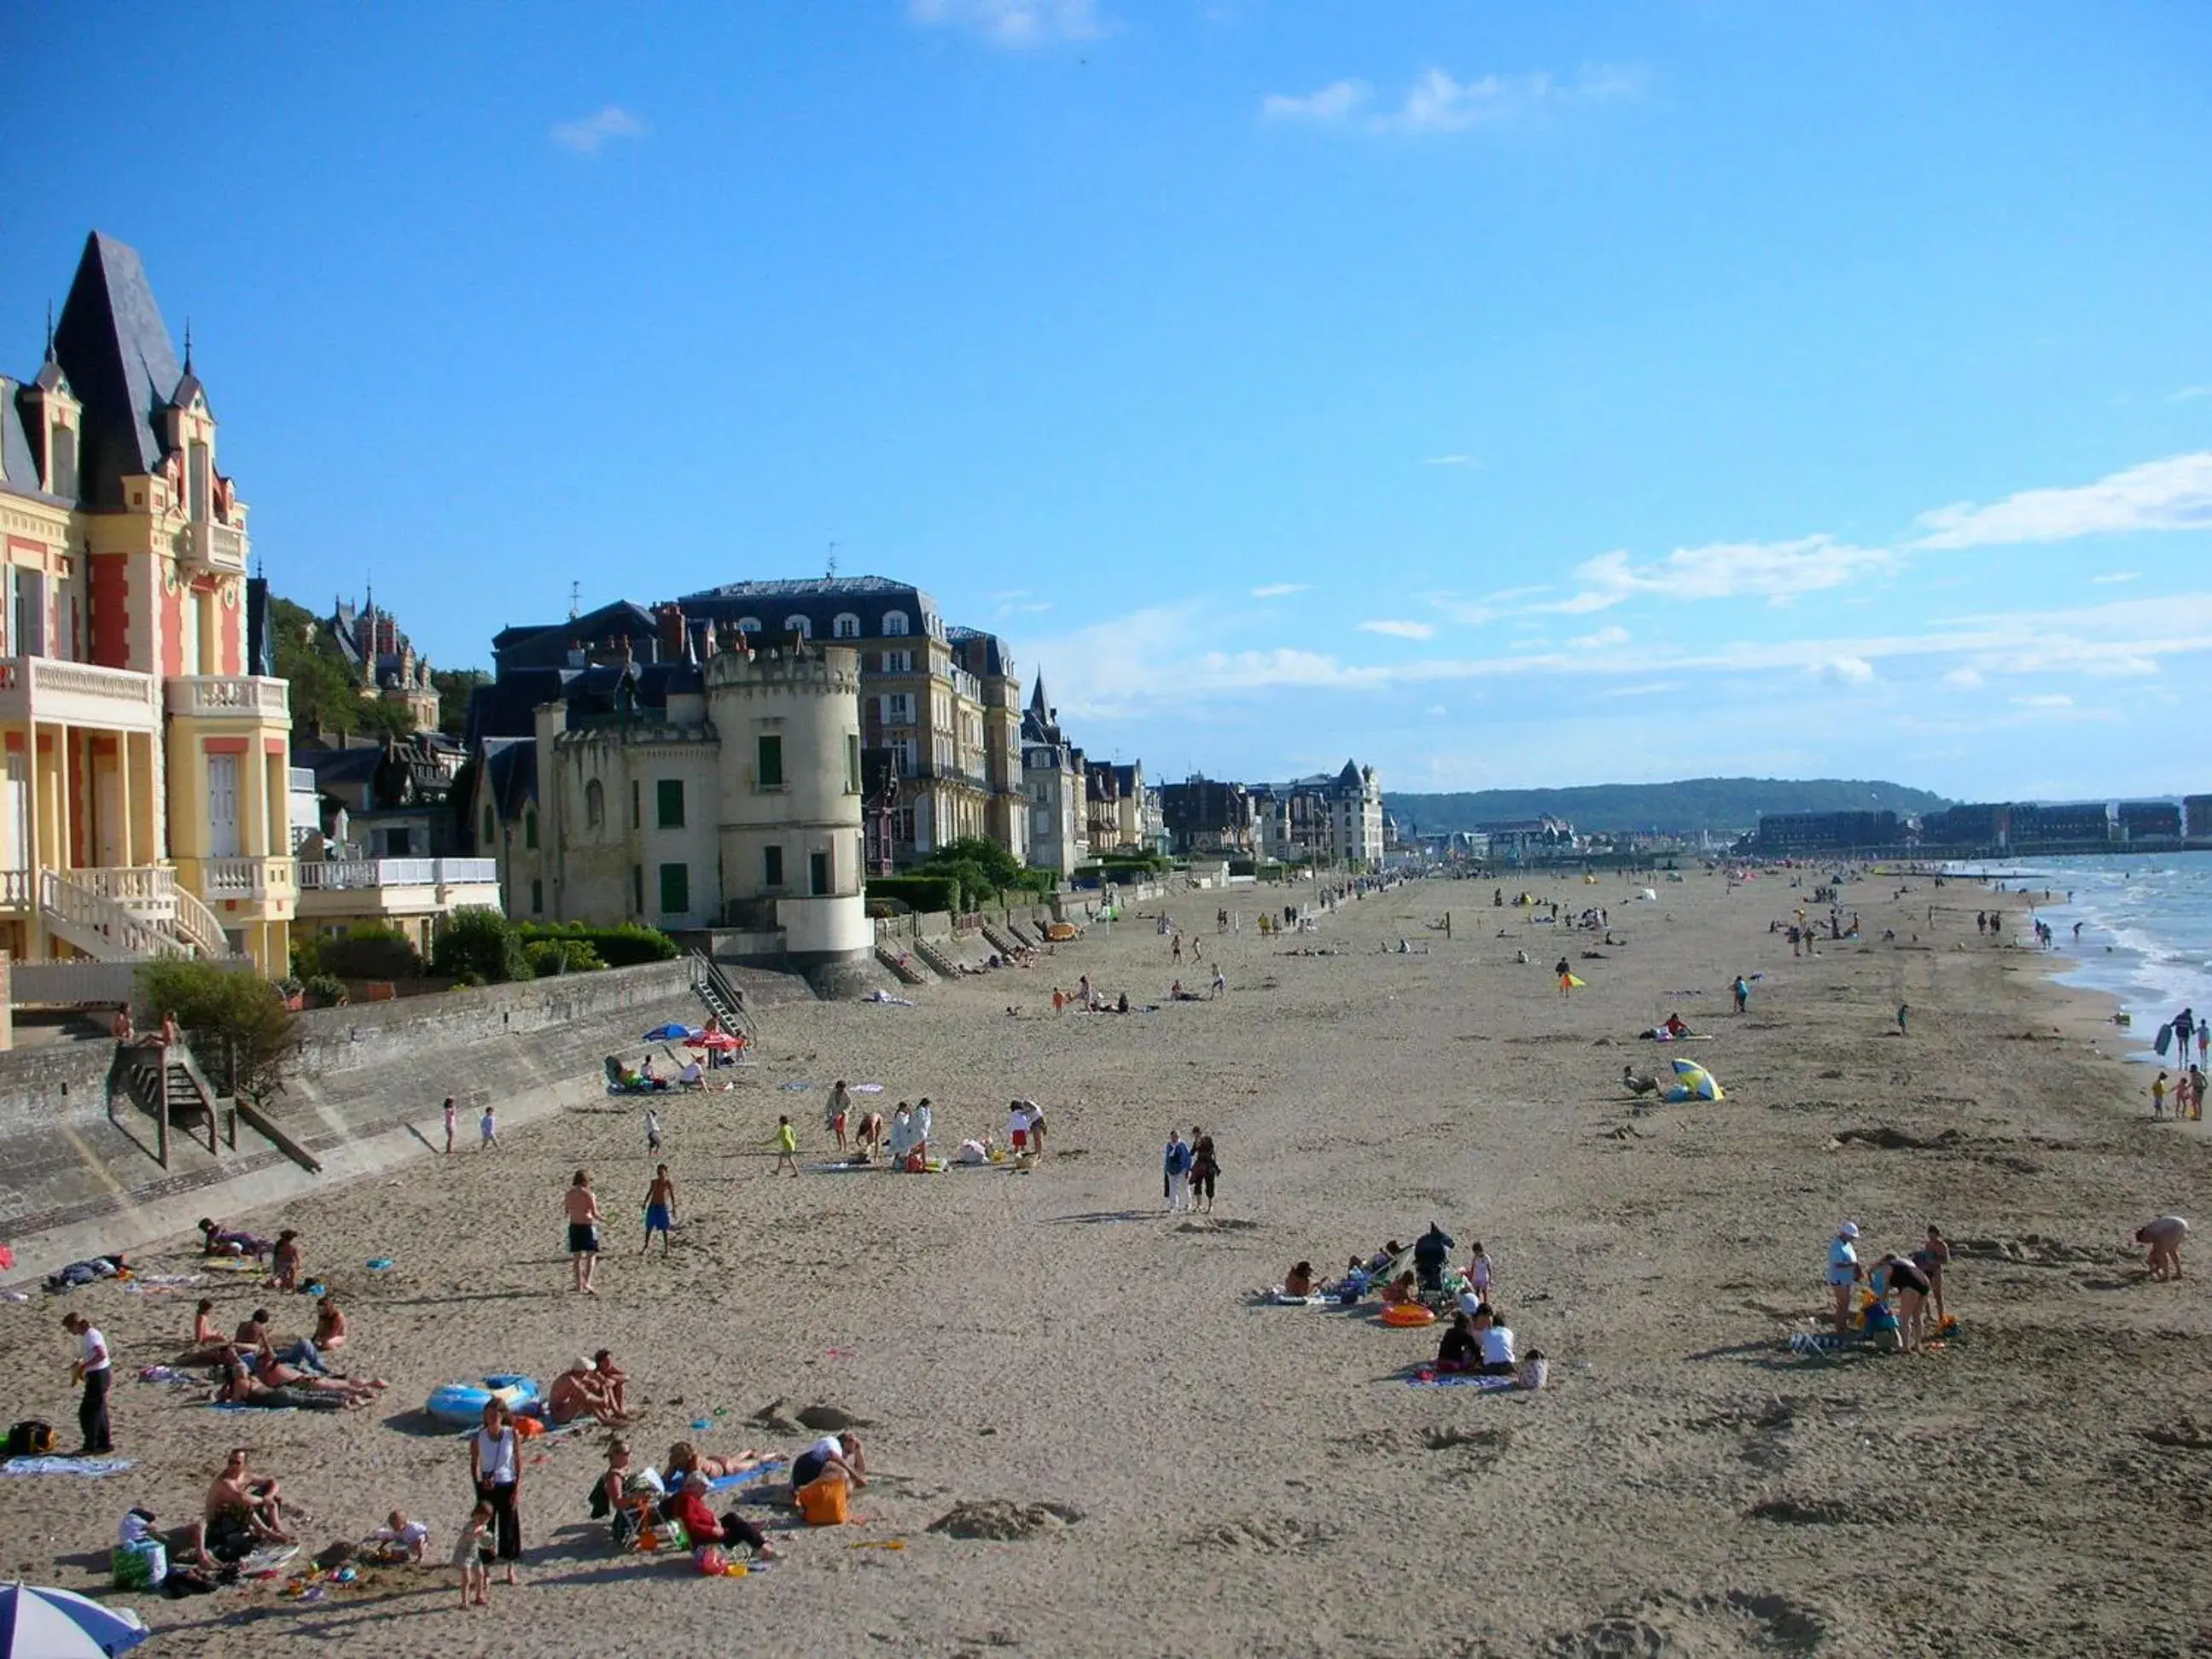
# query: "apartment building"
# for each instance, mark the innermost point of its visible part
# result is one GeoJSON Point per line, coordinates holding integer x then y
{"type": "Point", "coordinates": [1055, 774]}
{"type": "Point", "coordinates": [943, 702]}
{"type": "Point", "coordinates": [146, 807]}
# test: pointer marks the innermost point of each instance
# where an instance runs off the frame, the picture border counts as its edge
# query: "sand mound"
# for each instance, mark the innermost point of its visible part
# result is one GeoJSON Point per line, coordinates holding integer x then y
{"type": "Point", "coordinates": [1002, 1521]}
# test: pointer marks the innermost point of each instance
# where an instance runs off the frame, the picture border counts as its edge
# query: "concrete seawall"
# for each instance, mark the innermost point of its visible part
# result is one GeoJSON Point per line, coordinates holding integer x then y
{"type": "Point", "coordinates": [363, 1093]}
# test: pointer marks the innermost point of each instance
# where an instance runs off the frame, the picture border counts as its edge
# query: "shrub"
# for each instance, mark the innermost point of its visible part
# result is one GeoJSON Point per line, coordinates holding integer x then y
{"type": "Point", "coordinates": [307, 955]}
{"type": "Point", "coordinates": [482, 942]}
{"type": "Point", "coordinates": [934, 891]}
{"type": "Point", "coordinates": [328, 990]}
{"type": "Point", "coordinates": [625, 945]}
{"type": "Point", "coordinates": [562, 956]}
{"type": "Point", "coordinates": [236, 1021]}
{"type": "Point", "coordinates": [368, 952]}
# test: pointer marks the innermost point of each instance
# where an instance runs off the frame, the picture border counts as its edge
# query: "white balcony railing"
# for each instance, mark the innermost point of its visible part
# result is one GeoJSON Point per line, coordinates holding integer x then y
{"type": "Point", "coordinates": [78, 693]}
{"type": "Point", "coordinates": [205, 695]}
{"type": "Point", "coordinates": [215, 545]}
{"type": "Point", "coordinates": [246, 878]}
{"type": "Point", "coordinates": [350, 875]}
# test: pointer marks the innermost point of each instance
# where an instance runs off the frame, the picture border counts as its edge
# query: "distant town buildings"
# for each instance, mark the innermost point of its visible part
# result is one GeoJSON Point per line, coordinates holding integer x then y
{"type": "Point", "coordinates": [382, 659]}
{"type": "Point", "coordinates": [1056, 780]}
{"type": "Point", "coordinates": [1328, 818]}
{"type": "Point", "coordinates": [1986, 828]}
{"type": "Point", "coordinates": [1785, 835]}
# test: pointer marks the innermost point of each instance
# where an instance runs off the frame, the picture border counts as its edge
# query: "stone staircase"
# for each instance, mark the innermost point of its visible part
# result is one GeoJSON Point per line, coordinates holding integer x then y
{"type": "Point", "coordinates": [903, 967]}
{"type": "Point", "coordinates": [719, 997]}
{"type": "Point", "coordinates": [166, 1083]}
{"type": "Point", "coordinates": [1001, 941]}
{"type": "Point", "coordinates": [946, 965]}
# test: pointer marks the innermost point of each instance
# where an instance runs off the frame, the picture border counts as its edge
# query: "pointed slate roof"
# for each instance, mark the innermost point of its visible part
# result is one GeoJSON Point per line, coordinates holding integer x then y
{"type": "Point", "coordinates": [115, 349]}
{"type": "Point", "coordinates": [1038, 704]}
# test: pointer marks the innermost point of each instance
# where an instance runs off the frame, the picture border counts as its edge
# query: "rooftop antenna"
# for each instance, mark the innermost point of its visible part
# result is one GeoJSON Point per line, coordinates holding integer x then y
{"type": "Point", "coordinates": [188, 345]}
{"type": "Point", "coordinates": [575, 600]}
{"type": "Point", "coordinates": [832, 572]}
{"type": "Point", "coordinates": [50, 330]}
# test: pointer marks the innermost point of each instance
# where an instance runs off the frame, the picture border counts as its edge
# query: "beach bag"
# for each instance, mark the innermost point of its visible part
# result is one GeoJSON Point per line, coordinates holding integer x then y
{"type": "Point", "coordinates": [600, 1506]}
{"type": "Point", "coordinates": [139, 1566]}
{"type": "Point", "coordinates": [710, 1560]}
{"type": "Point", "coordinates": [1536, 1371]}
{"type": "Point", "coordinates": [823, 1501]}
{"type": "Point", "coordinates": [30, 1438]}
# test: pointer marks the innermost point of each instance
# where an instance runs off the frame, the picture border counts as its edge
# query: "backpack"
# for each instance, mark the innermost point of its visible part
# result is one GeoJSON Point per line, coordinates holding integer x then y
{"type": "Point", "coordinates": [30, 1438]}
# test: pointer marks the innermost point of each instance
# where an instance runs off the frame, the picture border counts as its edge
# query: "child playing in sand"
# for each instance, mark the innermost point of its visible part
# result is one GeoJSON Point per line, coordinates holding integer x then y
{"type": "Point", "coordinates": [2158, 1095]}
{"type": "Point", "coordinates": [2164, 1235]}
{"type": "Point", "coordinates": [786, 1148]}
{"type": "Point", "coordinates": [399, 1538]}
{"type": "Point", "coordinates": [468, 1551]}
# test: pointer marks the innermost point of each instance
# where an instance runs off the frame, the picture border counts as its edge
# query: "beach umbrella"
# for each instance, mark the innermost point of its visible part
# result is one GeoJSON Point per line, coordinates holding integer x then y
{"type": "Point", "coordinates": [1693, 1082]}
{"type": "Point", "coordinates": [57, 1624]}
{"type": "Point", "coordinates": [716, 1040]}
{"type": "Point", "coordinates": [669, 1034]}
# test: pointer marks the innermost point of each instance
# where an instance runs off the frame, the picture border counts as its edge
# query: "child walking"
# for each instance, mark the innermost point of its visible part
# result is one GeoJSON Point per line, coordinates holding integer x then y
{"type": "Point", "coordinates": [469, 1552]}
{"type": "Point", "coordinates": [488, 1128]}
{"type": "Point", "coordinates": [786, 1148]}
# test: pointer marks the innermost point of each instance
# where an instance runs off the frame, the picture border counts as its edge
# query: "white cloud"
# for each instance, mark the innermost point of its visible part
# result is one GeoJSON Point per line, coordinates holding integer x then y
{"type": "Point", "coordinates": [2189, 394]}
{"type": "Point", "coordinates": [1436, 102]}
{"type": "Point", "coordinates": [1018, 25]}
{"type": "Point", "coordinates": [1337, 101]}
{"type": "Point", "coordinates": [2050, 700]}
{"type": "Point", "coordinates": [2113, 578]}
{"type": "Point", "coordinates": [1966, 679]}
{"type": "Point", "coordinates": [588, 135]}
{"type": "Point", "coordinates": [1399, 630]}
{"type": "Point", "coordinates": [1603, 640]}
{"type": "Point", "coordinates": [1280, 590]}
{"type": "Point", "coordinates": [1451, 461]}
{"type": "Point", "coordinates": [1722, 570]}
{"type": "Point", "coordinates": [2175, 494]}
{"type": "Point", "coordinates": [1845, 671]}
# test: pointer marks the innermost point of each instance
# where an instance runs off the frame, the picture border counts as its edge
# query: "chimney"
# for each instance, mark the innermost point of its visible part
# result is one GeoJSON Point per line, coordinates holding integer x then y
{"type": "Point", "coordinates": [670, 617]}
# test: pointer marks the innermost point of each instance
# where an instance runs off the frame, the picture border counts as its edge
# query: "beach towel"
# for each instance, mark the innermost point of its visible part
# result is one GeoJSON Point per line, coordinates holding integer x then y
{"type": "Point", "coordinates": [91, 1468]}
{"type": "Point", "coordinates": [1462, 1380]}
{"type": "Point", "coordinates": [751, 1477]}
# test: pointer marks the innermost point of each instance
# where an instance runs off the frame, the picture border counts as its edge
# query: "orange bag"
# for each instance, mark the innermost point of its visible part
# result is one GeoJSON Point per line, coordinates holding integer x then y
{"type": "Point", "coordinates": [528, 1428]}
{"type": "Point", "coordinates": [823, 1501]}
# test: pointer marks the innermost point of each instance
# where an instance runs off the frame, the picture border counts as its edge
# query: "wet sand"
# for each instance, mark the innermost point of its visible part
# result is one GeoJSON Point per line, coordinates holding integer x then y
{"type": "Point", "coordinates": [1259, 1480]}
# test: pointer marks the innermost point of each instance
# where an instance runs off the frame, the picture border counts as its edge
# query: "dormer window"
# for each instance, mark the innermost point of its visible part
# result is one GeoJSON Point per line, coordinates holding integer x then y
{"type": "Point", "coordinates": [847, 627]}
{"type": "Point", "coordinates": [895, 623]}
{"type": "Point", "coordinates": [799, 626]}
{"type": "Point", "coordinates": [748, 624]}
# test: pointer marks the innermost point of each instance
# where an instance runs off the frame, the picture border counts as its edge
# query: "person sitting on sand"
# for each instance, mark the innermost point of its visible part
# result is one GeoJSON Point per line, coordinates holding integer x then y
{"type": "Point", "coordinates": [1637, 1083]}
{"type": "Point", "coordinates": [1496, 1340]}
{"type": "Point", "coordinates": [578, 1392]}
{"type": "Point", "coordinates": [613, 1381]}
{"type": "Point", "coordinates": [686, 1462]}
{"type": "Point", "coordinates": [329, 1325]}
{"type": "Point", "coordinates": [1458, 1351]}
{"type": "Point", "coordinates": [1401, 1291]}
{"type": "Point", "coordinates": [254, 1339]}
{"type": "Point", "coordinates": [1299, 1280]}
{"type": "Point", "coordinates": [398, 1540]}
{"type": "Point", "coordinates": [834, 1453]}
{"type": "Point", "coordinates": [1674, 1026]}
{"type": "Point", "coordinates": [221, 1241]}
{"type": "Point", "coordinates": [623, 1484]}
{"type": "Point", "coordinates": [210, 1345]}
{"type": "Point", "coordinates": [689, 1508]}
{"type": "Point", "coordinates": [973, 1151]}
{"type": "Point", "coordinates": [2164, 1235]}
{"type": "Point", "coordinates": [1381, 1260]}
{"type": "Point", "coordinates": [243, 1511]}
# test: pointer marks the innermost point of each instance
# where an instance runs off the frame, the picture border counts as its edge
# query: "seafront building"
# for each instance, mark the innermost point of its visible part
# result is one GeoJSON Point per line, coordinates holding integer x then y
{"type": "Point", "coordinates": [715, 783]}
{"type": "Point", "coordinates": [1056, 777]}
{"type": "Point", "coordinates": [147, 748]}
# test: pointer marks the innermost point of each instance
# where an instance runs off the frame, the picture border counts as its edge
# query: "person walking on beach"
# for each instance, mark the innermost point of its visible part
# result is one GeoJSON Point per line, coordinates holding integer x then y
{"type": "Point", "coordinates": [840, 1103]}
{"type": "Point", "coordinates": [786, 1149]}
{"type": "Point", "coordinates": [1844, 1271]}
{"type": "Point", "coordinates": [1204, 1167]}
{"type": "Point", "coordinates": [487, 1129]}
{"type": "Point", "coordinates": [581, 1206]}
{"type": "Point", "coordinates": [1742, 991]}
{"type": "Point", "coordinates": [1175, 1172]}
{"type": "Point", "coordinates": [659, 1209]}
{"type": "Point", "coordinates": [93, 1368]}
{"type": "Point", "coordinates": [652, 1131]}
{"type": "Point", "coordinates": [1903, 1012]}
{"type": "Point", "coordinates": [495, 1471]}
{"type": "Point", "coordinates": [452, 1113]}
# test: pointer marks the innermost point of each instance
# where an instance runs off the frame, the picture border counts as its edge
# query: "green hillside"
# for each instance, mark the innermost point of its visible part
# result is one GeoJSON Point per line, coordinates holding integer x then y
{"type": "Point", "coordinates": [1683, 808]}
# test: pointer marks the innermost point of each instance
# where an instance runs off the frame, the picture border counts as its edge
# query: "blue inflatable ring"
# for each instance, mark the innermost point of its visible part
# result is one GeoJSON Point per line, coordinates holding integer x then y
{"type": "Point", "coordinates": [464, 1402]}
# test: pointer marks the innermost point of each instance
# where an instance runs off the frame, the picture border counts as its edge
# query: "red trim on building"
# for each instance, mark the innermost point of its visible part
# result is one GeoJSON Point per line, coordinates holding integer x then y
{"type": "Point", "coordinates": [273, 748]}
{"type": "Point", "coordinates": [225, 745]}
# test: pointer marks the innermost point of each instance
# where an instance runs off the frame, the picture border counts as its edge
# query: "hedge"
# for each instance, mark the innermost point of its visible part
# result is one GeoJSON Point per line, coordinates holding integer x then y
{"type": "Point", "coordinates": [916, 892]}
{"type": "Point", "coordinates": [625, 945]}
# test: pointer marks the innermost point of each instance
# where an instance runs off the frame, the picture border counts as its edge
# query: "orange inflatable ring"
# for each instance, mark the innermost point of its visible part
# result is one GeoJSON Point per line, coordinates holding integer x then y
{"type": "Point", "coordinates": [1409, 1313]}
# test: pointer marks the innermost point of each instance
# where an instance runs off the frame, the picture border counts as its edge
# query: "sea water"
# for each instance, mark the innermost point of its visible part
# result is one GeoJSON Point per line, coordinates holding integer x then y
{"type": "Point", "coordinates": [2145, 920]}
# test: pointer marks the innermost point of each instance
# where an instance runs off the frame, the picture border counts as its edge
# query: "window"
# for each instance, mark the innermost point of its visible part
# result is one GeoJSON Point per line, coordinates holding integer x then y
{"type": "Point", "coordinates": [852, 762]}
{"type": "Point", "coordinates": [799, 626]}
{"type": "Point", "coordinates": [637, 887]}
{"type": "Point", "coordinates": [668, 802]}
{"type": "Point", "coordinates": [490, 830]}
{"type": "Point", "coordinates": [771, 867]}
{"type": "Point", "coordinates": [768, 761]}
{"type": "Point", "coordinates": [847, 627]}
{"type": "Point", "coordinates": [595, 805]}
{"type": "Point", "coordinates": [748, 624]}
{"type": "Point", "coordinates": [895, 623]}
{"type": "Point", "coordinates": [817, 873]}
{"type": "Point", "coordinates": [898, 662]}
{"type": "Point", "coordinates": [636, 814]}
{"type": "Point", "coordinates": [530, 828]}
{"type": "Point", "coordinates": [675, 889]}
{"type": "Point", "coordinates": [898, 708]}
{"type": "Point", "coordinates": [537, 897]}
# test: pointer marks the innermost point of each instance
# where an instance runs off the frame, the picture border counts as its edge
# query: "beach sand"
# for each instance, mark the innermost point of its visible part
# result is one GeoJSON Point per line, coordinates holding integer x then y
{"type": "Point", "coordinates": [1259, 1480]}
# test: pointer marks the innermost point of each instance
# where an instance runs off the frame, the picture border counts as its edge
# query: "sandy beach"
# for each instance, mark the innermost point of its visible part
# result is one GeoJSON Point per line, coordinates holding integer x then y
{"type": "Point", "coordinates": [1232, 1478]}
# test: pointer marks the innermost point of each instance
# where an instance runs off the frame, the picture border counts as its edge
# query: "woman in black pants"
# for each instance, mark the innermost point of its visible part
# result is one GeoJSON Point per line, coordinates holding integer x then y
{"type": "Point", "coordinates": [1204, 1166]}
{"type": "Point", "coordinates": [495, 1467]}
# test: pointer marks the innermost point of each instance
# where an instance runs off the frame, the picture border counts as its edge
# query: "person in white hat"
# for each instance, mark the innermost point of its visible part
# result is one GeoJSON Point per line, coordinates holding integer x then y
{"type": "Point", "coordinates": [1844, 1271]}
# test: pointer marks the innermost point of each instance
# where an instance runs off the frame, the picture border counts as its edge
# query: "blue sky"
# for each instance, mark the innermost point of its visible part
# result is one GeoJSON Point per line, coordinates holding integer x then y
{"type": "Point", "coordinates": [1504, 394]}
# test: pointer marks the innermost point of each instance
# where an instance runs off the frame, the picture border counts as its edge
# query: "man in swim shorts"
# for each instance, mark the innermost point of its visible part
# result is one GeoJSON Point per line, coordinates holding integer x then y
{"type": "Point", "coordinates": [581, 1206]}
{"type": "Point", "coordinates": [659, 1208]}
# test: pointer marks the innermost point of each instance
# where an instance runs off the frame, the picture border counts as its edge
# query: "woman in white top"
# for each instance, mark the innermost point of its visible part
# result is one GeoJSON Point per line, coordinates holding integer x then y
{"type": "Point", "coordinates": [495, 1468]}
